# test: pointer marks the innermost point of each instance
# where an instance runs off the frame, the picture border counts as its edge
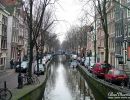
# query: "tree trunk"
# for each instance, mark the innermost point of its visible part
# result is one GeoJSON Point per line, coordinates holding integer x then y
{"type": "Point", "coordinates": [42, 48]}
{"type": "Point", "coordinates": [37, 58]}
{"type": "Point", "coordinates": [30, 60]}
{"type": "Point", "coordinates": [30, 40]}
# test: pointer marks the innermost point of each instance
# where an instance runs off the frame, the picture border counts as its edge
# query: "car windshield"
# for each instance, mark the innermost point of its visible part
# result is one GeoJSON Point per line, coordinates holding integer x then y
{"type": "Point", "coordinates": [23, 63]}
{"type": "Point", "coordinates": [40, 66]}
{"type": "Point", "coordinates": [110, 72]}
{"type": "Point", "coordinates": [105, 66]}
{"type": "Point", "coordinates": [73, 63]}
{"type": "Point", "coordinates": [119, 72]}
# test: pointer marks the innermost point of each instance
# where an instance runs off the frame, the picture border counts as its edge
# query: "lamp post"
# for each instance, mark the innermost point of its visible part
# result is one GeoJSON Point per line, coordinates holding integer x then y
{"type": "Point", "coordinates": [20, 78]}
{"type": "Point", "coordinates": [124, 36]}
{"type": "Point", "coordinates": [89, 54]}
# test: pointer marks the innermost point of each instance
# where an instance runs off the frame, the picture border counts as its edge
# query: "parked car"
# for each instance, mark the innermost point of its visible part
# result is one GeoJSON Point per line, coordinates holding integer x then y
{"type": "Point", "coordinates": [89, 62]}
{"type": "Point", "coordinates": [74, 64]}
{"type": "Point", "coordinates": [41, 69]}
{"type": "Point", "coordinates": [24, 67]}
{"type": "Point", "coordinates": [117, 76]}
{"type": "Point", "coordinates": [44, 60]}
{"type": "Point", "coordinates": [48, 56]}
{"type": "Point", "coordinates": [73, 56]}
{"type": "Point", "coordinates": [99, 69]}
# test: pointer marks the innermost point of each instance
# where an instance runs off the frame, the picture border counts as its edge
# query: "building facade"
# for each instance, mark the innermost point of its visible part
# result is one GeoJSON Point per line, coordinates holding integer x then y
{"type": "Point", "coordinates": [121, 36]}
{"type": "Point", "coordinates": [111, 31]}
{"type": "Point", "coordinates": [3, 36]}
{"type": "Point", "coordinates": [17, 31]}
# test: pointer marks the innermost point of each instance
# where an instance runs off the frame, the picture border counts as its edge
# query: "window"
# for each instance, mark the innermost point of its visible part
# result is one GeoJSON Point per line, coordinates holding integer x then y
{"type": "Point", "coordinates": [128, 29]}
{"type": "Point", "coordinates": [110, 72]}
{"type": "Point", "coordinates": [128, 13]}
{"type": "Point", "coordinates": [2, 61]}
{"type": "Point", "coordinates": [4, 33]}
{"type": "Point", "coordinates": [4, 26]}
{"type": "Point", "coordinates": [128, 1]}
{"type": "Point", "coordinates": [4, 43]}
{"type": "Point", "coordinates": [4, 30]}
{"type": "Point", "coordinates": [4, 20]}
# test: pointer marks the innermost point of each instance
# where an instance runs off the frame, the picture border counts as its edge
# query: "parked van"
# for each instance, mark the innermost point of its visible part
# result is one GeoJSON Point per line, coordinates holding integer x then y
{"type": "Point", "coordinates": [89, 62]}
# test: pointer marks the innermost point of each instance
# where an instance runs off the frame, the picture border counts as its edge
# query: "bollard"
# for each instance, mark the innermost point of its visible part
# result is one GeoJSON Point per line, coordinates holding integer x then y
{"type": "Point", "coordinates": [5, 85]}
{"type": "Point", "coordinates": [20, 81]}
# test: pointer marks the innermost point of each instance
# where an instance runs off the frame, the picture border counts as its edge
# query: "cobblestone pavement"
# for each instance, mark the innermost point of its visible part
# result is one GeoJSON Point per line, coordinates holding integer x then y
{"type": "Point", "coordinates": [10, 77]}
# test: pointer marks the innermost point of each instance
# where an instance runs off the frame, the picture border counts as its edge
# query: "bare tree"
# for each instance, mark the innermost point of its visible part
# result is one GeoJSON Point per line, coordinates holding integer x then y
{"type": "Point", "coordinates": [35, 11]}
{"type": "Point", "coordinates": [100, 7]}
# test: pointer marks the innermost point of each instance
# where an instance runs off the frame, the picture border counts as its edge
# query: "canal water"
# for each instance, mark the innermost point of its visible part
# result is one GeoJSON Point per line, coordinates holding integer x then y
{"type": "Point", "coordinates": [66, 83]}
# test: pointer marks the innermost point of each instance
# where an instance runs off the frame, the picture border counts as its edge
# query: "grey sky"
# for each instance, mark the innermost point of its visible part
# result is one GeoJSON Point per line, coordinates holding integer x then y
{"type": "Point", "coordinates": [69, 11]}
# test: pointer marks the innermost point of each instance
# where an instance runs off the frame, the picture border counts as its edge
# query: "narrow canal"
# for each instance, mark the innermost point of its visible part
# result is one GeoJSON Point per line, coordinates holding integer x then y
{"type": "Point", "coordinates": [66, 83]}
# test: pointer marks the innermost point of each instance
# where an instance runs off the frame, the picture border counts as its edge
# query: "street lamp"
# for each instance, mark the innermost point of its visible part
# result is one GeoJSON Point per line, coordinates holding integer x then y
{"type": "Point", "coordinates": [89, 54]}
{"type": "Point", "coordinates": [20, 78]}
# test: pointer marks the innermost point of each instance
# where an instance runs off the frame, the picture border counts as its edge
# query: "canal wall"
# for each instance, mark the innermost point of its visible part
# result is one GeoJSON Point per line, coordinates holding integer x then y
{"type": "Point", "coordinates": [35, 94]}
{"type": "Point", "coordinates": [36, 91]}
{"type": "Point", "coordinates": [102, 90]}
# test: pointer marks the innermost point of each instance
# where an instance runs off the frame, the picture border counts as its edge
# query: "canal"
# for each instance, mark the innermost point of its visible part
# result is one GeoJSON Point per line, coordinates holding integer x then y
{"type": "Point", "coordinates": [66, 83]}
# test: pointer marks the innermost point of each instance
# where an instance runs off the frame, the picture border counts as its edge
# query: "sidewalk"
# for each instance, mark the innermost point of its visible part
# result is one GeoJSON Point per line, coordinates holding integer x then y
{"type": "Point", "coordinates": [17, 93]}
{"type": "Point", "coordinates": [11, 78]}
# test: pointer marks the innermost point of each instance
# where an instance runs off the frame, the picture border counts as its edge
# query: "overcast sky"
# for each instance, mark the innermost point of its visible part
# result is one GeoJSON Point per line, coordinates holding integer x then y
{"type": "Point", "coordinates": [69, 11]}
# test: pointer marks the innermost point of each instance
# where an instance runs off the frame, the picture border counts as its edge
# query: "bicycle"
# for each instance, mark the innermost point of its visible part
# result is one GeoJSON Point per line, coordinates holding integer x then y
{"type": "Point", "coordinates": [5, 93]}
{"type": "Point", "coordinates": [32, 80]}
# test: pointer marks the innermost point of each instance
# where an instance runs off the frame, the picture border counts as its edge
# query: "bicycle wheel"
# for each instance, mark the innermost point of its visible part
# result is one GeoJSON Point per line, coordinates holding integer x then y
{"type": "Point", "coordinates": [36, 80]}
{"type": "Point", "coordinates": [5, 94]}
{"type": "Point", "coordinates": [30, 80]}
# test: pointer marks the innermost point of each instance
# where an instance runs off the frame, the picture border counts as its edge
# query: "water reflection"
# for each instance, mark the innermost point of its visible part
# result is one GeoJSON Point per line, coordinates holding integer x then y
{"type": "Point", "coordinates": [65, 83]}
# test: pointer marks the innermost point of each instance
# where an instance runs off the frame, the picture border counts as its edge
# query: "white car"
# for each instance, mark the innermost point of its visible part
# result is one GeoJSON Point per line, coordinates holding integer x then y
{"type": "Point", "coordinates": [74, 64]}
{"type": "Point", "coordinates": [44, 60]}
{"type": "Point", "coordinates": [89, 62]}
{"type": "Point", "coordinates": [48, 56]}
{"type": "Point", "coordinates": [24, 67]}
{"type": "Point", "coordinates": [73, 56]}
{"type": "Point", "coordinates": [41, 69]}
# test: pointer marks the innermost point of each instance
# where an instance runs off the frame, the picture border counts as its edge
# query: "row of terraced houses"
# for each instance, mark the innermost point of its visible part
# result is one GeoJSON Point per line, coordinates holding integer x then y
{"type": "Point", "coordinates": [13, 32]}
{"type": "Point", "coordinates": [119, 34]}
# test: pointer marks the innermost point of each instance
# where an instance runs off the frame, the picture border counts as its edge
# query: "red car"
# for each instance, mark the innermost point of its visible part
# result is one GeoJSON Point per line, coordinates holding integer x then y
{"type": "Point", "coordinates": [99, 69]}
{"type": "Point", "coordinates": [117, 76]}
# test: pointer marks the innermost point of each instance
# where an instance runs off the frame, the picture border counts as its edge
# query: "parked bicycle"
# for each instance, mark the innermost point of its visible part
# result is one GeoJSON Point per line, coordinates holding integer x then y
{"type": "Point", "coordinates": [5, 93]}
{"type": "Point", "coordinates": [32, 80]}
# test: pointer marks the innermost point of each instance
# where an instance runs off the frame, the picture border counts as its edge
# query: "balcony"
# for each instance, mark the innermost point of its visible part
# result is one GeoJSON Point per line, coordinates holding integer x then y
{"type": "Point", "coordinates": [20, 44]}
{"type": "Point", "coordinates": [20, 36]}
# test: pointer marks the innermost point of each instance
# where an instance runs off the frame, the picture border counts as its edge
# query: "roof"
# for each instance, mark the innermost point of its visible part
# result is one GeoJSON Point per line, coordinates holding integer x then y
{"type": "Point", "coordinates": [10, 5]}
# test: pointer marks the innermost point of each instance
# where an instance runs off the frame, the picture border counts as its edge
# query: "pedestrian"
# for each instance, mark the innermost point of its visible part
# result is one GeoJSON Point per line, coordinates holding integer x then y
{"type": "Point", "coordinates": [11, 63]}
{"type": "Point", "coordinates": [15, 63]}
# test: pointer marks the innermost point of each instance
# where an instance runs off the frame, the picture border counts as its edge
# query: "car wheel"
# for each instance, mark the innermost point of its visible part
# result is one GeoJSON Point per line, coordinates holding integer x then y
{"type": "Point", "coordinates": [16, 70]}
{"type": "Point", "coordinates": [122, 84]}
{"type": "Point", "coordinates": [110, 81]}
{"type": "Point", "coordinates": [106, 80]}
{"type": "Point", "coordinates": [128, 85]}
